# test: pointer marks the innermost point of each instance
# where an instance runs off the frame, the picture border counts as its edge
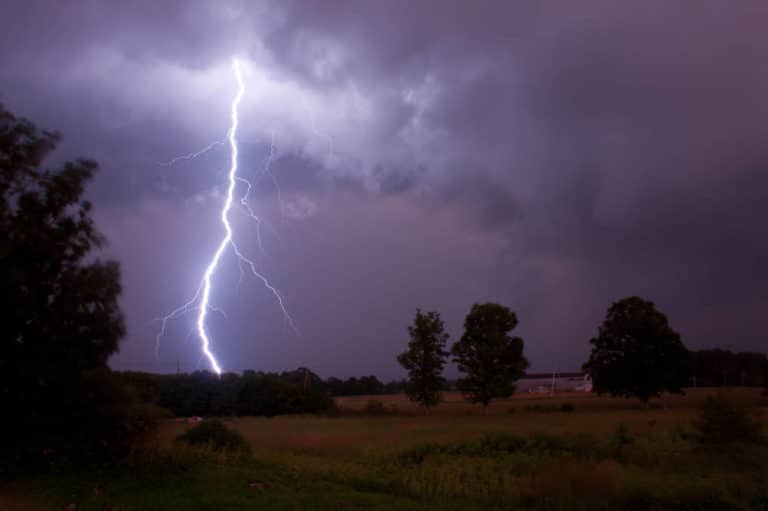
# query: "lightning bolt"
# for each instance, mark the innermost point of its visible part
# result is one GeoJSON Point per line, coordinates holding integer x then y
{"type": "Point", "coordinates": [200, 302]}
{"type": "Point", "coordinates": [192, 155]}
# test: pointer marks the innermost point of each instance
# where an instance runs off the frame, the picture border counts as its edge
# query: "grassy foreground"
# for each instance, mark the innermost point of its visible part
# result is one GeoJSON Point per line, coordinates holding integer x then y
{"type": "Point", "coordinates": [602, 454]}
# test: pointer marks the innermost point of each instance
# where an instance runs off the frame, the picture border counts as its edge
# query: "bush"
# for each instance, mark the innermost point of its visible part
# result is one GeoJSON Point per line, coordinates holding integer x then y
{"type": "Point", "coordinates": [720, 422]}
{"type": "Point", "coordinates": [215, 435]}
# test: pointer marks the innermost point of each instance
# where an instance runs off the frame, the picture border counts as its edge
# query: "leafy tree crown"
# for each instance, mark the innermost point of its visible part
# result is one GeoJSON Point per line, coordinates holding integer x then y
{"type": "Point", "coordinates": [425, 358]}
{"type": "Point", "coordinates": [491, 359]}
{"type": "Point", "coordinates": [60, 304]}
{"type": "Point", "coordinates": [637, 353]}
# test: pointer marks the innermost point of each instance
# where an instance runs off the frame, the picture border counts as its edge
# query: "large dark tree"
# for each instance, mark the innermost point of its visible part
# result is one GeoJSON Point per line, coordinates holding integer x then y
{"type": "Point", "coordinates": [491, 360]}
{"type": "Point", "coordinates": [425, 359]}
{"type": "Point", "coordinates": [636, 353]}
{"type": "Point", "coordinates": [60, 315]}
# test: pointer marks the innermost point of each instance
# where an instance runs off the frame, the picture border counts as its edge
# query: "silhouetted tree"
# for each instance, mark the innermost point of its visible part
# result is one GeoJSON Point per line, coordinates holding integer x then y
{"type": "Point", "coordinates": [425, 359]}
{"type": "Point", "coordinates": [60, 315]}
{"type": "Point", "coordinates": [490, 358]}
{"type": "Point", "coordinates": [636, 353]}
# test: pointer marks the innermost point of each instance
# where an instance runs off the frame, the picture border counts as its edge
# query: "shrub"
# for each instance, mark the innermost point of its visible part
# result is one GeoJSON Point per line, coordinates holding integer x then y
{"type": "Point", "coordinates": [215, 435]}
{"type": "Point", "coordinates": [720, 422]}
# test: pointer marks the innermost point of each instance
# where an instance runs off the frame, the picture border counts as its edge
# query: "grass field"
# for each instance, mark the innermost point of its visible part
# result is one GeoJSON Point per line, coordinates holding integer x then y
{"type": "Point", "coordinates": [452, 459]}
{"type": "Point", "coordinates": [457, 420]}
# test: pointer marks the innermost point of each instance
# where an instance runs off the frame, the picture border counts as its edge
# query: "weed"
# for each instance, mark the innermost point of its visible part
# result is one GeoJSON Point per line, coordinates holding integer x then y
{"type": "Point", "coordinates": [720, 423]}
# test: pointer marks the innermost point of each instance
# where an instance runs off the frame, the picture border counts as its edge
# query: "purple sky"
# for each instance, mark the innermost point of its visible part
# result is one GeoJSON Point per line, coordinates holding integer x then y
{"type": "Point", "coordinates": [553, 157]}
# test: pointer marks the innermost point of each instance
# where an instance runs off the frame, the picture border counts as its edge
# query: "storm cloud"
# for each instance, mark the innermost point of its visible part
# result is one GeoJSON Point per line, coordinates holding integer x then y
{"type": "Point", "coordinates": [553, 157]}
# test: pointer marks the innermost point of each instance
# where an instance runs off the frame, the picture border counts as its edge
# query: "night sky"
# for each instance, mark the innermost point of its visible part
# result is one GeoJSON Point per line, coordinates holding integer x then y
{"type": "Point", "coordinates": [551, 156]}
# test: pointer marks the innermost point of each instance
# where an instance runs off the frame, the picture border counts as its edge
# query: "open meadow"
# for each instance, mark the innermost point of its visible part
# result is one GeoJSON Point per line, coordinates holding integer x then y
{"type": "Point", "coordinates": [568, 451]}
{"type": "Point", "coordinates": [400, 424]}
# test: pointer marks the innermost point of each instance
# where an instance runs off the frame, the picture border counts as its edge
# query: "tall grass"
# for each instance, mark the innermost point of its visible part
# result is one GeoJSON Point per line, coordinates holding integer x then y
{"type": "Point", "coordinates": [581, 460]}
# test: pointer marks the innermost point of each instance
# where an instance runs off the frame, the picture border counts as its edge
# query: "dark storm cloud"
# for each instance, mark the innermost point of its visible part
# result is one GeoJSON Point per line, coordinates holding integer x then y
{"type": "Point", "coordinates": [554, 157]}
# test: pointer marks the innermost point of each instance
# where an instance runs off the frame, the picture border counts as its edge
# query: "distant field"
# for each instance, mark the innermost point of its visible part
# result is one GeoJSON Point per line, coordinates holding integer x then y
{"type": "Point", "coordinates": [455, 419]}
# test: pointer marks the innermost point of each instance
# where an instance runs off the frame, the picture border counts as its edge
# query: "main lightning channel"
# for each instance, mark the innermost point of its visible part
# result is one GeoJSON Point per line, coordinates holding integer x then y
{"type": "Point", "coordinates": [200, 302]}
{"type": "Point", "coordinates": [206, 288]}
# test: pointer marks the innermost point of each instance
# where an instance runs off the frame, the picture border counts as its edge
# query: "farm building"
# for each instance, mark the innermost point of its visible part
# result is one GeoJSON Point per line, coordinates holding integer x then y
{"type": "Point", "coordinates": [557, 382]}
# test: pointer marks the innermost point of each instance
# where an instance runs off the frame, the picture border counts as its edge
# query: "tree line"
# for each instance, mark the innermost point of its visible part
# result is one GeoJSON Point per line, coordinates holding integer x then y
{"type": "Point", "coordinates": [722, 368]}
{"type": "Point", "coordinates": [255, 393]}
{"type": "Point", "coordinates": [635, 354]}
{"type": "Point", "coordinates": [206, 394]}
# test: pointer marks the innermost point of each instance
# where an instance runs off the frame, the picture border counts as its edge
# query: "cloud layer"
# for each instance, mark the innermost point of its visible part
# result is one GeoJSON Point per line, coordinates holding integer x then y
{"type": "Point", "coordinates": [551, 157]}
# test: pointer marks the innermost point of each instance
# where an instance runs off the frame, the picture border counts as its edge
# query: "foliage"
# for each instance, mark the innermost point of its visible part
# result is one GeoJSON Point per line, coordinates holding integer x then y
{"type": "Point", "coordinates": [113, 417]}
{"type": "Point", "coordinates": [362, 386]}
{"type": "Point", "coordinates": [491, 360]}
{"type": "Point", "coordinates": [715, 368]}
{"type": "Point", "coordinates": [720, 423]}
{"type": "Point", "coordinates": [425, 358]}
{"type": "Point", "coordinates": [637, 353]}
{"type": "Point", "coordinates": [205, 394]}
{"type": "Point", "coordinates": [149, 384]}
{"type": "Point", "coordinates": [215, 435]}
{"type": "Point", "coordinates": [60, 304]}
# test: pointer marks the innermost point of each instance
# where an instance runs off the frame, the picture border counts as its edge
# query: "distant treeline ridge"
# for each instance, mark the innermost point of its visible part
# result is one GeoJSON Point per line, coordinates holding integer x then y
{"type": "Point", "coordinates": [302, 391]}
